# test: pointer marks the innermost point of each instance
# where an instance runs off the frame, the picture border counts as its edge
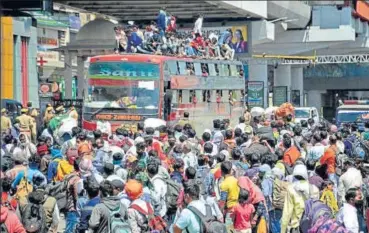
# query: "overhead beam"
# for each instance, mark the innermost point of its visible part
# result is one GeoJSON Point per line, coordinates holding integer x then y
{"type": "Point", "coordinates": [138, 18]}
{"type": "Point", "coordinates": [154, 16]}
{"type": "Point", "coordinates": [174, 11]}
{"type": "Point", "coordinates": [129, 2]}
{"type": "Point", "coordinates": [148, 7]}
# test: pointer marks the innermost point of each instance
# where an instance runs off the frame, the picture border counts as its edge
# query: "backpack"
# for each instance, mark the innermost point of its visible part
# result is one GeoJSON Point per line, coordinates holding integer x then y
{"type": "Point", "coordinates": [209, 224]}
{"type": "Point", "coordinates": [278, 193]}
{"type": "Point", "coordinates": [238, 170]}
{"type": "Point", "coordinates": [359, 149]}
{"type": "Point", "coordinates": [340, 159]}
{"type": "Point", "coordinates": [171, 197]}
{"type": "Point", "coordinates": [154, 223]}
{"type": "Point", "coordinates": [314, 209]}
{"type": "Point", "coordinates": [33, 218]}
{"type": "Point", "coordinates": [117, 223]}
{"type": "Point", "coordinates": [325, 225]}
{"type": "Point", "coordinates": [24, 187]}
{"type": "Point", "coordinates": [3, 228]}
{"type": "Point", "coordinates": [59, 191]}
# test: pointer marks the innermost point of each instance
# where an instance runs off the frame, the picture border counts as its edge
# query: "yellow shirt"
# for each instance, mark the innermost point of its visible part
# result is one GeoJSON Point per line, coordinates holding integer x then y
{"type": "Point", "coordinates": [230, 186]}
{"type": "Point", "coordinates": [329, 199]}
{"type": "Point", "coordinates": [5, 123]}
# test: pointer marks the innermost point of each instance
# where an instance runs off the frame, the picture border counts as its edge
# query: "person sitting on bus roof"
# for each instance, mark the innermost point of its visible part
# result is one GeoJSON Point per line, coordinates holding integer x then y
{"type": "Point", "coordinates": [185, 119]}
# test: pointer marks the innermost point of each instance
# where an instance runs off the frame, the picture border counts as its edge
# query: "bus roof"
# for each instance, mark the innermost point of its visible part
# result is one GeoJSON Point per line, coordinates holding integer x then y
{"type": "Point", "coordinates": [353, 107]}
{"type": "Point", "coordinates": [139, 57]}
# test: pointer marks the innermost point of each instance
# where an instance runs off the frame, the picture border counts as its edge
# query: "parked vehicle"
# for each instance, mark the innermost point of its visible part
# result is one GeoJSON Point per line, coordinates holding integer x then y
{"type": "Point", "coordinates": [353, 112]}
{"type": "Point", "coordinates": [13, 107]}
{"type": "Point", "coordinates": [304, 113]}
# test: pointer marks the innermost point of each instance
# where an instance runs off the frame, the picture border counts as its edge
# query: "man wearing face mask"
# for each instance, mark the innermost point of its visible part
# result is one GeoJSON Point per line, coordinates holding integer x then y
{"type": "Point", "coordinates": [101, 156]}
{"type": "Point", "coordinates": [348, 214]}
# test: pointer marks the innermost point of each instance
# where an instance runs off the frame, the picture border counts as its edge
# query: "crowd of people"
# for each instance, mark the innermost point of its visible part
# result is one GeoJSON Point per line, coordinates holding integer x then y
{"type": "Point", "coordinates": [162, 38]}
{"type": "Point", "coordinates": [260, 176]}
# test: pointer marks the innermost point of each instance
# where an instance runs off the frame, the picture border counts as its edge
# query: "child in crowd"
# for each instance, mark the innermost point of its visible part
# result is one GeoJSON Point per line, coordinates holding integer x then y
{"type": "Point", "coordinates": [243, 213]}
{"type": "Point", "coordinates": [328, 197]}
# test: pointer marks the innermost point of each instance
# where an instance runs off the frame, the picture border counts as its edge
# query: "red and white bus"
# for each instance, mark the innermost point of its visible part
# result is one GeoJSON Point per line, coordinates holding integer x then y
{"type": "Point", "coordinates": [126, 89]}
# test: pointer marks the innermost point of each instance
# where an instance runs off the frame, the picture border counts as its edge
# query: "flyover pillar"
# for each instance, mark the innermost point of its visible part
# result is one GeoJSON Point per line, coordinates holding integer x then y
{"type": "Point", "coordinates": [297, 85]}
{"type": "Point", "coordinates": [282, 77]}
{"type": "Point", "coordinates": [259, 72]}
{"type": "Point", "coordinates": [80, 76]}
{"type": "Point", "coordinates": [68, 76]}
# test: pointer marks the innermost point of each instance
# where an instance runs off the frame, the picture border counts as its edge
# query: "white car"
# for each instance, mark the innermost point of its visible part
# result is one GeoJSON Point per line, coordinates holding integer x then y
{"type": "Point", "coordinates": [304, 113]}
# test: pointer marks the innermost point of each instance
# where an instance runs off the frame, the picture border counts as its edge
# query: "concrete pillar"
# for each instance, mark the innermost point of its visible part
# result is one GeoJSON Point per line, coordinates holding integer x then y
{"type": "Point", "coordinates": [225, 96]}
{"type": "Point", "coordinates": [282, 77]}
{"type": "Point", "coordinates": [68, 76]}
{"type": "Point", "coordinates": [174, 96]}
{"type": "Point", "coordinates": [314, 99]}
{"type": "Point", "coordinates": [185, 96]}
{"type": "Point", "coordinates": [297, 82]}
{"type": "Point", "coordinates": [80, 76]}
{"type": "Point", "coordinates": [213, 96]}
{"type": "Point", "coordinates": [199, 96]}
{"type": "Point", "coordinates": [259, 72]}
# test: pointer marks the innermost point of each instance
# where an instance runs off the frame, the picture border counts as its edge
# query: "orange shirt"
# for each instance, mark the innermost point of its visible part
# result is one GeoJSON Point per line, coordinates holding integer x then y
{"type": "Point", "coordinates": [329, 158]}
{"type": "Point", "coordinates": [291, 155]}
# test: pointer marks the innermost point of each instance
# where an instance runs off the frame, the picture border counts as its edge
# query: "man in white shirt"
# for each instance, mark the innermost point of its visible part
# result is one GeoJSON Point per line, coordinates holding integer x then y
{"type": "Point", "coordinates": [352, 178]}
{"type": "Point", "coordinates": [198, 25]}
{"type": "Point", "coordinates": [241, 124]}
{"type": "Point", "coordinates": [348, 213]}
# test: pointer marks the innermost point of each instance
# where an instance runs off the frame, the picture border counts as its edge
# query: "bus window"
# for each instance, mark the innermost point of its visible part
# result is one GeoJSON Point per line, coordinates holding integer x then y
{"type": "Point", "coordinates": [204, 69]}
{"type": "Point", "coordinates": [212, 69]}
{"type": "Point", "coordinates": [198, 70]}
{"type": "Point", "coordinates": [192, 93]}
{"type": "Point", "coordinates": [173, 68]}
{"type": "Point", "coordinates": [216, 69]}
{"type": "Point", "coordinates": [190, 69]}
{"type": "Point", "coordinates": [220, 93]}
{"type": "Point", "coordinates": [182, 67]}
{"type": "Point", "coordinates": [179, 96]}
{"type": "Point", "coordinates": [226, 70]}
{"type": "Point", "coordinates": [221, 70]}
{"type": "Point", "coordinates": [234, 72]}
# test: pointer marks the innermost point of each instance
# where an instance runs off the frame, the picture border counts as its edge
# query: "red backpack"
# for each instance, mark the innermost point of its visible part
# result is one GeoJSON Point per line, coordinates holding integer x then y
{"type": "Point", "coordinates": [155, 223]}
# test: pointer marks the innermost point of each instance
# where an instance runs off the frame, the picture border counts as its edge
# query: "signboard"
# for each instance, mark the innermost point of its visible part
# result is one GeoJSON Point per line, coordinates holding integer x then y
{"type": "Point", "coordinates": [74, 22]}
{"type": "Point", "coordinates": [237, 38]}
{"type": "Point", "coordinates": [295, 98]}
{"type": "Point", "coordinates": [118, 117]}
{"type": "Point", "coordinates": [279, 95]}
{"type": "Point", "coordinates": [47, 89]}
{"type": "Point", "coordinates": [207, 83]}
{"type": "Point", "coordinates": [255, 94]}
{"type": "Point", "coordinates": [48, 56]}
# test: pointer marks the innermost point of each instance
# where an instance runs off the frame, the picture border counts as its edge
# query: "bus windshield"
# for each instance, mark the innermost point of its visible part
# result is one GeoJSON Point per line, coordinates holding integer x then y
{"type": "Point", "coordinates": [302, 113]}
{"type": "Point", "coordinates": [123, 85]}
{"type": "Point", "coordinates": [353, 116]}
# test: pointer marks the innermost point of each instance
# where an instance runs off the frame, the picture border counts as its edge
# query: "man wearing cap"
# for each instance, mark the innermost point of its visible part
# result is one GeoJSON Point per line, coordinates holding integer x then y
{"type": "Point", "coordinates": [6, 123]}
{"type": "Point", "coordinates": [25, 122]}
{"type": "Point", "coordinates": [32, 112]}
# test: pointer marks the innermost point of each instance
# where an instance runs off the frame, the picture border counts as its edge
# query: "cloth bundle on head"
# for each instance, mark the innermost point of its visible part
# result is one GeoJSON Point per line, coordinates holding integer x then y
{"type": "Point", "coordinates": [134, 189]}
{"type": "Point", "coordinates": [225, 153]}
{"type": "Point", "coordinates": [300, 170]}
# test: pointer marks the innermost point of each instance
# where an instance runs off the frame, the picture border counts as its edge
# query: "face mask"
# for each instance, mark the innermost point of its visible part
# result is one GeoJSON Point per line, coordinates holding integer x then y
{"type": "Point", "coordinates": [172, 144]}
